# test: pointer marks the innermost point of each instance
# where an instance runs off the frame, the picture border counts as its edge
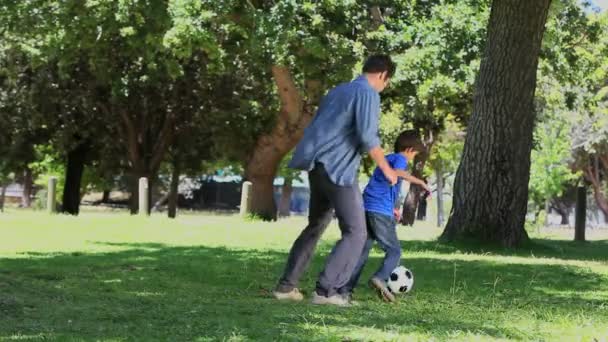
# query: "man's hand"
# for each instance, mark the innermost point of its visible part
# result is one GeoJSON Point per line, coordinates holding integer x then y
{"type": "Point", "coordinates": [378, 156]}
{"type": "Point", "coordinates": [390, 175]}
{"type": "Point", "coordinates": [397, 214]}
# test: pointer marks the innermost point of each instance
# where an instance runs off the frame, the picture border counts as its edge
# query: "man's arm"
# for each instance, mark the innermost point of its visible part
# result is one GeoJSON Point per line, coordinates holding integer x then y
{"type": "Point", "coordinates": [378, 156]}
{"type": "Point", "coordinates": [367, 111]}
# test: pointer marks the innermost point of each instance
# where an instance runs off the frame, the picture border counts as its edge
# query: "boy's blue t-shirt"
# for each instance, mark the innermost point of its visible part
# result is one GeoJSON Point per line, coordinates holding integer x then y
{"type": "Point", "coordinates": [379, 196]}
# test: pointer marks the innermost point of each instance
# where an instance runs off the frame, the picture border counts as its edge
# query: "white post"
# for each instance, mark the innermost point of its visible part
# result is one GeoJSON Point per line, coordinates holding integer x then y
{"type": "Point", "coordinates": [50, 199]}
{"type": "Point", "coordinates": [143, 196]}
{"type": "Point", "coordinates": [246, 198]}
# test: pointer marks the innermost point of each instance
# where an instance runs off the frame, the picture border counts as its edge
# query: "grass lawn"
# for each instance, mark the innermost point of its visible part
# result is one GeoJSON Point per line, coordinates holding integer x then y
{"type": "Point", "coordinates": [112, 277]}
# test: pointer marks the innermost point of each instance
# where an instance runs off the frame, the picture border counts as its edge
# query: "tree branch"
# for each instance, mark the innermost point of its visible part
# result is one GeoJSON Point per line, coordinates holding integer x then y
{"type": "Point", "coordinates": [289, 94]}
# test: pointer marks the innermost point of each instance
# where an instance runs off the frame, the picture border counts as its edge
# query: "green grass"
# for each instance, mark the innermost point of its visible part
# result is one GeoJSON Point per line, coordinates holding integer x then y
{"type": "Point", "coordinates": [112, 277]}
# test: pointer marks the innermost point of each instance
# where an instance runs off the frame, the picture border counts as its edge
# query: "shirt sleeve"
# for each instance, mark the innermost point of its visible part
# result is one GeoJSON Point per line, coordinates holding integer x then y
{"type": "Point", "coordinates": [367, 113]}
{"type": "Point", "coordinates": [400, 163]}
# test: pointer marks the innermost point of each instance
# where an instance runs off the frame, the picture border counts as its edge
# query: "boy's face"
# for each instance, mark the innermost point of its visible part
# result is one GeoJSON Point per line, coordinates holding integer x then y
{"type": "Point", "coordinates": [410, 153]}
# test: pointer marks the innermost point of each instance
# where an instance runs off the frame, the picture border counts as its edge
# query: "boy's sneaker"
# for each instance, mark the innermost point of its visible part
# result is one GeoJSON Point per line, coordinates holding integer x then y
{"type": "Point", "coordinates": [293, 295]}
{"type": "Point", "coordinates": [383, 291]}
{"type": "Point", "coordinates": [336, 300]}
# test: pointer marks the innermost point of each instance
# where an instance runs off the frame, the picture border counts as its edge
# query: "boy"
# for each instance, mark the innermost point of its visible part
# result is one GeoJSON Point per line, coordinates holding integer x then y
{"type": "Point", "coordinates": [381, 201]}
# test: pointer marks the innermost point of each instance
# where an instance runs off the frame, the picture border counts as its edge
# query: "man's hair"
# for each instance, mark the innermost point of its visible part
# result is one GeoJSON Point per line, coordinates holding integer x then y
{"type": "Point", "coordinates": [380, 63]}
{"type": "Point", "coordinates": [409, 139]}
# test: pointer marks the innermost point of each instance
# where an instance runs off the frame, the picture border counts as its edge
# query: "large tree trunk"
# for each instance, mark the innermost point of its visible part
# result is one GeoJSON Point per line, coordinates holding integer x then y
{"type": "Point", "coordinates": [285, 203]}
{"type": "Point", "coordinates": [173, 190]}
{"type": "Point", "coordinates": [491, 185]}
{"type": "Point", "coordinates": [295, 115]}
{"type": "Point", "coordinates": [73, 176]}
{"type": "Point", "coordinates": [28, 183]}
{"type": "Point", "coordinates": [581, 213]}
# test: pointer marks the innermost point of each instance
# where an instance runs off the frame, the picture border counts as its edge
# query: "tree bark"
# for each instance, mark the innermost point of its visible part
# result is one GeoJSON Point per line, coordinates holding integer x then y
{"type": "Point", "coordinates": [285, 203]}
{"type": "Point", "coordinates": [491, 185]}
{"type": "Point", "coordinates": [270, 148]}
{"type": "Point", "coordinates": [173, 191]}
{"type": "Point", "coordinates": [73, 177]}
{"type": "Point", "coordinates": [28, 182]}
{"type": "Point", "coordinates": [581, 213]}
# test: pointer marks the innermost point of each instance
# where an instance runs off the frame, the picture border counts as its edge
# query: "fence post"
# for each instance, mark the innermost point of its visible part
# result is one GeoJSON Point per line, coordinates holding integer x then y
{"type": "Point", "coordinates": [246, 198]}
{"type": "Point", "coordinates": [50, 199]}
{"type": "Point", "coordinates": [143, 197]}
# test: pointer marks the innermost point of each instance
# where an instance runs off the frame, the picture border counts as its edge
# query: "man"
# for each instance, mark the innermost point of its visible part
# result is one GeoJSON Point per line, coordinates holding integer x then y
{"type": "Point", "coordinates": [346, 124]}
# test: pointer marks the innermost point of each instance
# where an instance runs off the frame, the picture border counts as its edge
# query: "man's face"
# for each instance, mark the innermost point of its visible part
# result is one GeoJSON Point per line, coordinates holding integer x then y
{"type": "Point", "coordinates": [384, 80]}
{"type": "Point", "coordinates": [380, 81]}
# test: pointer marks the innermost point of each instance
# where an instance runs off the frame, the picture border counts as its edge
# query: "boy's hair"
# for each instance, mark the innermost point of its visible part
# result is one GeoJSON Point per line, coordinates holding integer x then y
{"type": "Point", "coordinates": [409, 139]}
{"type": "Point", "coordinates": [380, 63]}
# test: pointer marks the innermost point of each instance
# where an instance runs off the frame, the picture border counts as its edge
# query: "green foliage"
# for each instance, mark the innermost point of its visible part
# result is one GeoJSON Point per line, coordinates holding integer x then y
{"type": "Point", "coordinates": [48, 164]}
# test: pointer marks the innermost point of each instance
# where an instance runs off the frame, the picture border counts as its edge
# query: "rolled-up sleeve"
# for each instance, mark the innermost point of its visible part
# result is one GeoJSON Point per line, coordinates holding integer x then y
{"type": "Point", "coordinates": [367, 112]}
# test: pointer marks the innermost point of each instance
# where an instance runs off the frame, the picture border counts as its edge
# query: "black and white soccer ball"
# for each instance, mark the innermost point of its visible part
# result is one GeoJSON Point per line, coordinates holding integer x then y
{"type": "Point", "coordinates": [401, 280]}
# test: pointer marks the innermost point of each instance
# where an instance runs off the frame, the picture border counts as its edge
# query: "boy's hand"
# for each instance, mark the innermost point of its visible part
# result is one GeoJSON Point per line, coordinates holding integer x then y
{"type": "Point", "coordinates": [427, 190]}
{"type": "Point", "coordinates": [397, 214]}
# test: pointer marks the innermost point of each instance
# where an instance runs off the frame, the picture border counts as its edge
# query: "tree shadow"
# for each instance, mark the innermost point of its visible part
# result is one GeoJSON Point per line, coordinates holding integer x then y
{"type": "Point", "coordinates": [156, 292]}
{"type": "Point", "coordinates": [546, 248]}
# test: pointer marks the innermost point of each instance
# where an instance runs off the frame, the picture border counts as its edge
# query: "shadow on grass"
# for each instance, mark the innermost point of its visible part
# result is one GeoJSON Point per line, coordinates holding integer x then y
{"type": "Point", "coordinates": [156, 292]}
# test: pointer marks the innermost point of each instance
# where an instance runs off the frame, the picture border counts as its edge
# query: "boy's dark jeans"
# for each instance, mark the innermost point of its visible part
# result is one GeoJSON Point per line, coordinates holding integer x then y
{"type": "Point", "coordinates": [380, 228]}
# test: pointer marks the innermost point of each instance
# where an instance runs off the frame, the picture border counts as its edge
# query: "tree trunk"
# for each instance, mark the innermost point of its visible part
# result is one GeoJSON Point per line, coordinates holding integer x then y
{"type": "Point", "coordinates": [2, 197]}
{"type": "Point", "coordinates": [421, 211]}
{"type": "Point", "coordinates": [581, 213]}
{"type": "Point", "coordinates": [408, 213]}
{"type": "Point", "coordinates": [173, 191]}
{"type": "Point", "coordinates": [105, 198]}
{"type": "Point", "coordinates": [28, 182]}
{"type": "Point", "coordinates": [491, 185]}
{"type": "Point", "coordinates": [73, 177]}
{"type": "Point", "coordinates": [440, 211]}
{"type": "Point", "coordinates": [270, 148]}
{"type": "Point", "coordinates": [285, 203]}
{"type": "Point", "coordinates": [593, 174]}
{"type": "Point", "coordinates": [262, 196]}
{"type": "Point", "coordinates": [565, 218]}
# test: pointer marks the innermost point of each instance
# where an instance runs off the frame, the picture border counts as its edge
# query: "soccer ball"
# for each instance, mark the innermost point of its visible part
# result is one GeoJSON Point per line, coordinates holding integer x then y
{"type": "Point", "coordinates": [401, 280]}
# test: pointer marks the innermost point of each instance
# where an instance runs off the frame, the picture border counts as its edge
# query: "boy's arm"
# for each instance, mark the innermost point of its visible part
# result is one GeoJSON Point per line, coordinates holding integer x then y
{"type": "Point", "coordinates": [406, 175]}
